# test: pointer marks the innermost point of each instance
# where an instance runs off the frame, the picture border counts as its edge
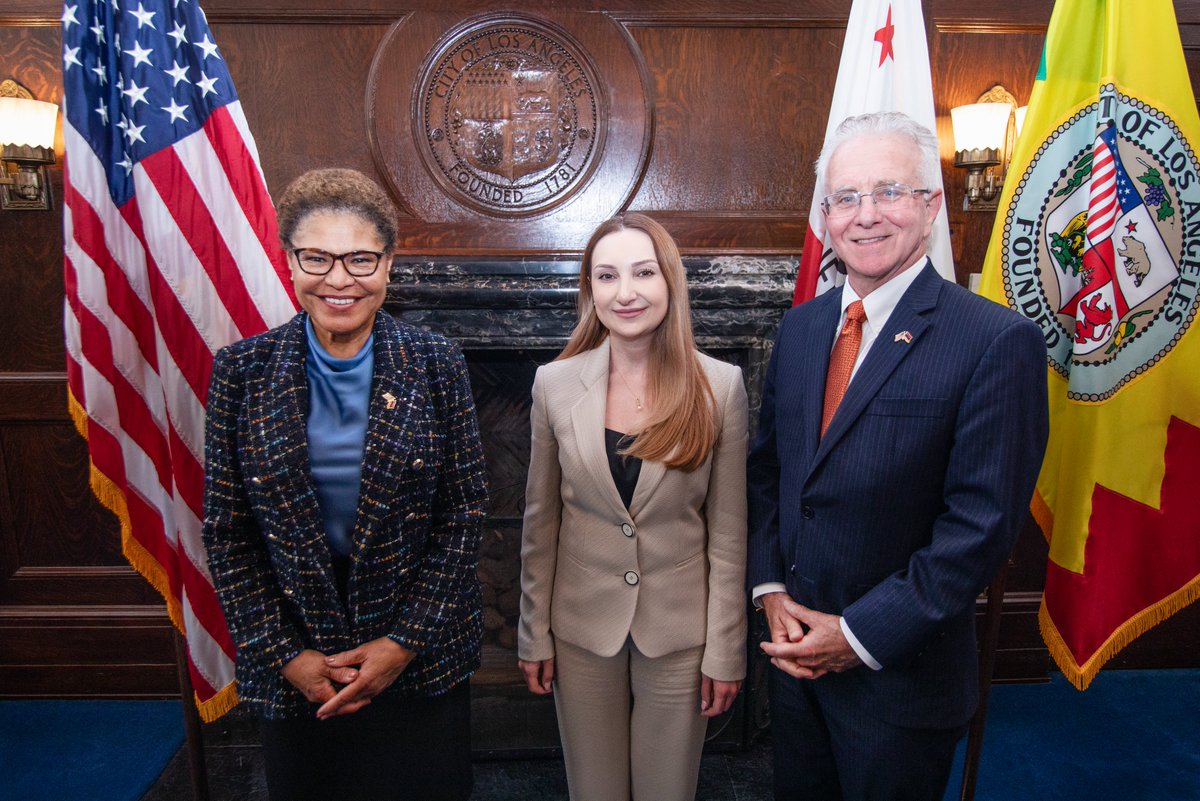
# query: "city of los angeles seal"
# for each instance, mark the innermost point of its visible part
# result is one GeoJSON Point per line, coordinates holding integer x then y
{"type": "Point", "coordinates": [1102, 243]}
{"type": "Point", "coordinates": [510, 116]}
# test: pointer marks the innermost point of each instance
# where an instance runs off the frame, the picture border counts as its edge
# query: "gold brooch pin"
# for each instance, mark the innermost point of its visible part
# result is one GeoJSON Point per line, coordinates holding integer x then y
{"type": "Point", "coordinates": [390, 400]}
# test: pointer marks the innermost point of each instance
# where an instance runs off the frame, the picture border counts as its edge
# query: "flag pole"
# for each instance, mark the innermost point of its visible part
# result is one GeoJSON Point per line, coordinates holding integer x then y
{"type": "Point", "coordinates": [989, 640]}
{"type": "Point", "coordinates": [191, 722]}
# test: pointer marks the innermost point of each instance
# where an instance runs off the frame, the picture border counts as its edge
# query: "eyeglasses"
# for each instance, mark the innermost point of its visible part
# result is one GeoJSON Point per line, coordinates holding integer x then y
{"type": "Point", "coordinates": [359, 263]}
{"type": "Point", "coordinates": [847, 201]}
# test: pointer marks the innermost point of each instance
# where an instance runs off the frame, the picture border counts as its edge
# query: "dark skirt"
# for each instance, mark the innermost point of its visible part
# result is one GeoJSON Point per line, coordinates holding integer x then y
{"type": "Point", "coordinates": [394, 749]}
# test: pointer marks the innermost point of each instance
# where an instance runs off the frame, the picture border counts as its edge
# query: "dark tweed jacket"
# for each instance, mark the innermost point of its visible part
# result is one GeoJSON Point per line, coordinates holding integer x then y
{"type": "Point", "coordinates": [416, 534]}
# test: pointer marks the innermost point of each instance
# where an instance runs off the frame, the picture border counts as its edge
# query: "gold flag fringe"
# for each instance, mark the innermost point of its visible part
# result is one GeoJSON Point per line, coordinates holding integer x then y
{"type": "Point", "coordinates": [1081, 675]}
{"type": "Point", "coordinates": [111, 497]}
{"type": "Point", "coordinates": [218, 705]}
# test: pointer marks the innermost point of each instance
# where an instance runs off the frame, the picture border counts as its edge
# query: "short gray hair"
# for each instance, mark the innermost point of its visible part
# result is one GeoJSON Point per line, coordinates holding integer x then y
{"type": "Point", "coordinates": [885, 122]}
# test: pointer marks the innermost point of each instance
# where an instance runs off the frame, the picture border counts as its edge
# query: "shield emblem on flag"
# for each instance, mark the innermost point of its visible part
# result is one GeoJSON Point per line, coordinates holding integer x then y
{"type": "Point", "coordinates": [510, 119]}
{"type": "Point", "coordinates": [1110, 258]}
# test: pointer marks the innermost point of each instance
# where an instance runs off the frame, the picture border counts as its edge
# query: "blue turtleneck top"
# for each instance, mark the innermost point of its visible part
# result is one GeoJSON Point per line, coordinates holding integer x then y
{"type": "Point", "coordinates": [338, 398]}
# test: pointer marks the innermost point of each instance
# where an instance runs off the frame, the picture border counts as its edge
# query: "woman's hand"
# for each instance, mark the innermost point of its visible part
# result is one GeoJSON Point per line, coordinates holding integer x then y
{"type": "Point", "coordinates": [309, 673]}
{"type": "Point", "coordinates": [716, 696]}
{"type": "Point", "coordinates": [538, 675]}
{"type": "Point", "coordinates": [379, 663]}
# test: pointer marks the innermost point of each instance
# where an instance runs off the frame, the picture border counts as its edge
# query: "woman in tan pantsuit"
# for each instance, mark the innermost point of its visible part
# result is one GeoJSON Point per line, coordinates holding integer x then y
{"type": "Point", "coordinates": [633, 552]}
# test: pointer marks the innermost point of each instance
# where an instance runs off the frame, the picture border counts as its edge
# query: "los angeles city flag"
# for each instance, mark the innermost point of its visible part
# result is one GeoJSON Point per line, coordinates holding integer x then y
{"type": "Point", "coordinates": [1097, 240]}
{"type": "Point", "coordinates": [171, 253]}
{"type": "Point", "coordinates": [884, 67]}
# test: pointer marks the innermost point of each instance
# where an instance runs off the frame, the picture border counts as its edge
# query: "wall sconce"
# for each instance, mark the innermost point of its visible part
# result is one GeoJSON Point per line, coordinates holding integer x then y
{"type": "Point", "coordinates": [984, 134]}
{"type": "Point", "coordinates": [27, 137]}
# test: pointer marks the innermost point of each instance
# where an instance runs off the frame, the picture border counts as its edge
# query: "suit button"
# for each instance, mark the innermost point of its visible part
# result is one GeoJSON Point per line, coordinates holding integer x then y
{"type": "Point", "coordinates": [627, 529]}
{"type": "Point", "coordinates": [631, 578]}
{"type": "Point", "coordinates": [417, 464]}
{"type": "Point", "coordinates": [807, 512]}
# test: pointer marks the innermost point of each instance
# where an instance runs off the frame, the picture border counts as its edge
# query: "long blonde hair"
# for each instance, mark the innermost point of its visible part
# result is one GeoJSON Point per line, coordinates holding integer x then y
{"type": "Point", "coordinates": [682, 429]}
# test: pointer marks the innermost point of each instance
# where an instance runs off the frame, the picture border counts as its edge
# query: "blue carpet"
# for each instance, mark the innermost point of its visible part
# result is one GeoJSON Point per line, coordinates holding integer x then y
{"type": "Point", "coordinates": [1132, 736]}
{"type": "Point", "coordinates": [93, 750]}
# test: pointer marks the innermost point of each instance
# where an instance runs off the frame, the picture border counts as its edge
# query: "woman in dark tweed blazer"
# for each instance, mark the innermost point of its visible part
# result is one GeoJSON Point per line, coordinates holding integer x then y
{"type": "Point", "coordinates": [343, 503]}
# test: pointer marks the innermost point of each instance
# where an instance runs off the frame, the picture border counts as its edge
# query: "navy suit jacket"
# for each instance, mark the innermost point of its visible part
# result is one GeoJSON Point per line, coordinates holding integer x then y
{"type": "Point", "coordinates": [416, 532]}
{"type": "Point", "coordinates": [902, 513]}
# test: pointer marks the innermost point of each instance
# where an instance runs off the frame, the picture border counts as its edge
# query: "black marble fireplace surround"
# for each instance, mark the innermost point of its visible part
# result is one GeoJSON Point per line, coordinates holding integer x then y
{"type": "Point", "coordinates": [509, 317]}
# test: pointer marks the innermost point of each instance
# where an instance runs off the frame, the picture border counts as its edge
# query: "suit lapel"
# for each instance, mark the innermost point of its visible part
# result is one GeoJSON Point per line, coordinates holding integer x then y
{"type": "Point", "coordinates": [280, 415]}
{"type": "Point", "coordinates": [649, 477]}
{"type": "Point", "coordinates": [587, 418]}
{"type": "Point", "coordinates": [819, 338]}
{"type": "Point", "coordinates": [399, 384]}
{"type": "Point", "coordinates": [885, 356]}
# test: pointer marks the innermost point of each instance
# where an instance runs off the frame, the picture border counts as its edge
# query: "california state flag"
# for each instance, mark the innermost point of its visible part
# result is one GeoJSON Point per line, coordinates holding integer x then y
{"type": "Point", "coordinates": [884, 67]}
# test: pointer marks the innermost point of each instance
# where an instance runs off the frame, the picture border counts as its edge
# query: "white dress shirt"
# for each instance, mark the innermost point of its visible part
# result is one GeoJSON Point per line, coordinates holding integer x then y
{"type": "Point", "coordinates": [878, 306]}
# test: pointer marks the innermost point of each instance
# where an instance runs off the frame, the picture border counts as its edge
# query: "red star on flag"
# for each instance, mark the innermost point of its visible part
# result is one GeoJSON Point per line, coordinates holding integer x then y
{"type": "Point", "coordinates": [884, 37]}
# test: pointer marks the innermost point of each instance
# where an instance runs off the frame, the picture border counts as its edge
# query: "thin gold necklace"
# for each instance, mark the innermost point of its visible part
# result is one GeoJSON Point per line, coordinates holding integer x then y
{"type": "Point", "coordinates": [636, 399]}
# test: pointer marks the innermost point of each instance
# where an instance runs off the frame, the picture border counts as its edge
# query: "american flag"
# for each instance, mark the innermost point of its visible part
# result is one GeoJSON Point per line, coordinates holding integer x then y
{"type": "Point", "coordinates": [171, 253]}
{"type": "Point", "coordinates": [1103, 205]}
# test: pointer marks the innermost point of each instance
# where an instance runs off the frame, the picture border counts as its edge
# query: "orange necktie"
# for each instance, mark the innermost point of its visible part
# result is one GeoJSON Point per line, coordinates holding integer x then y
{"type": "Point", "coordinates": [841, 361]}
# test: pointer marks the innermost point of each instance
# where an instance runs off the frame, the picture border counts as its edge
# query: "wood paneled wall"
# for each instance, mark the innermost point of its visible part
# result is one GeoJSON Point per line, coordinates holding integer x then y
{"type": "Point", "coordinates": [740, 91]}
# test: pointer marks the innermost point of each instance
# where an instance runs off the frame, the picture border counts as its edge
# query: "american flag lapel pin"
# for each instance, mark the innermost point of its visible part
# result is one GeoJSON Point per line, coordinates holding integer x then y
{"type": "Point", "coordinates": [390, 400]}
{"type": "Point", "coordinates": [904, 336]}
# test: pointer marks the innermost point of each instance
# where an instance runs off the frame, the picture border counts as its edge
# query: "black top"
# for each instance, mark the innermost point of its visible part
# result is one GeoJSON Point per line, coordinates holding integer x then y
{"type": "Point", "coordinates": [625, 469]}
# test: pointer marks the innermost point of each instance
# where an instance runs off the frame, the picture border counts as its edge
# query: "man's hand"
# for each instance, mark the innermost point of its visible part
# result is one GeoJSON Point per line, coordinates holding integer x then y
{"type": "Point", "coordinates": [716, 696]}
{"type": "Point", "coordinates": [379, 663]}
{"type": "Point", "coordinates": [823, 649]}
{"type": "Point", "coordinates": [309, 673]}
{"type": "Point", "coordinates": [782, 620]}
{"type": "Point", "coordinates": [539, 676]}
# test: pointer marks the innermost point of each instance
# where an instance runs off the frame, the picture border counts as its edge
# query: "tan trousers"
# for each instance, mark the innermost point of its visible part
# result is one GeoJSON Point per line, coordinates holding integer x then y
{"type": "Point", "coordinates": [630, 725]}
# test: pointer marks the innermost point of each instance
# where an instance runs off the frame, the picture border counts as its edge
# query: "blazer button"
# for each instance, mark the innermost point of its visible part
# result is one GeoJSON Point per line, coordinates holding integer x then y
{"type": "Point", "coordinates": [807, 512]}
{"type": "Point", "coordinates": [631, 578]}
{"type": "Point", "coordinates": [417, 464]}
{"type": "Point", "coordinates": [627, 529]}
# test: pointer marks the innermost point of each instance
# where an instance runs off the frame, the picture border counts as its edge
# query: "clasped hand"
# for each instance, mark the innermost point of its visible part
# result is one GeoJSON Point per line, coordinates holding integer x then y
{"type": "Point", "coordinates": [810, 654]}
{"type": "Point", "coordinates": [362, 673]}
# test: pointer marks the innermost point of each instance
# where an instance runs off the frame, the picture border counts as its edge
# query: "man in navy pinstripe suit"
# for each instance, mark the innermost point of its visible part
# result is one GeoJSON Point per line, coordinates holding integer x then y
{"type": "Point", "coordinates": [878, 515]}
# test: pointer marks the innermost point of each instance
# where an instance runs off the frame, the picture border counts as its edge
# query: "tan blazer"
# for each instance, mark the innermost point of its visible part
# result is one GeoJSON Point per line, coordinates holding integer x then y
{"type": "Point", "coordinates": [670, 570]}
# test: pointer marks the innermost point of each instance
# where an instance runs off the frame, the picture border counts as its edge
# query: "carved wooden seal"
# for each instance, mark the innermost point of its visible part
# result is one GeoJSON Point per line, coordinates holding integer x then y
{"type": "Point", "coordinates": [507, 132]}
{"type": "Point", "coordinates": [510, 116]}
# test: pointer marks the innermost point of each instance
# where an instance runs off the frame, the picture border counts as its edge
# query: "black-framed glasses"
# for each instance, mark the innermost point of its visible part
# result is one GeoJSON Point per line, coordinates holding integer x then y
{"type": "Point", "coordinates": [847, 201]}
{"type": "Point", "coordinates": [359, 263]}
